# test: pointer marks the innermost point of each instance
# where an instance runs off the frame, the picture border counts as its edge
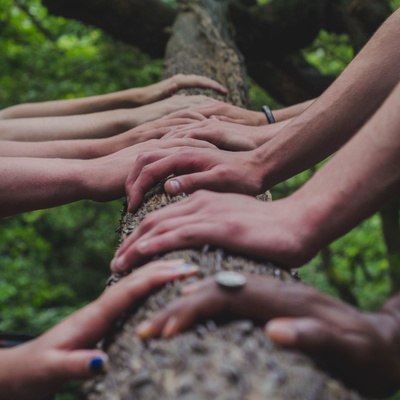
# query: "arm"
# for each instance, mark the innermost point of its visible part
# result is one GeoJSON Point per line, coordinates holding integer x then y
{"type": "Point", "coordinates": [92, 148]}
{"type": "Point", "coordinates": [332, 119]}
{"type": "Point", "coordinates": [36, 369]}
{"type": "Point", "coordinates": [360, 348]}
{"type": "Point", "coordinates": [96, 125]}
{"type": "Point", "coordinates": [354, 184]}
{"type": "Point", "coordinates": [228, 113]}
{"type": "Point", "coordinates": [34, 183]}
{"type": "Point", "coordinates": [318, 132]}
{"type": "Point", "coordinates": [122, 99]}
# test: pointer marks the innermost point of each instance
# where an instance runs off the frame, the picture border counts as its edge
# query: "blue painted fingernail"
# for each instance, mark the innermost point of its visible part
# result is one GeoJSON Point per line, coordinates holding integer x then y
{"type": "Point", "coordinates": [98, 365]}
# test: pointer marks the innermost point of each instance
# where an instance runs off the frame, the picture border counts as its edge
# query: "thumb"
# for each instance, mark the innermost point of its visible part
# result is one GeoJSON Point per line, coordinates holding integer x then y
{"type": "Point", "coordinates": [79, 364]}
{"type": "Point", "coordinates": [307, 334]}
{"type": "Point", "coordinates": [192, 182]}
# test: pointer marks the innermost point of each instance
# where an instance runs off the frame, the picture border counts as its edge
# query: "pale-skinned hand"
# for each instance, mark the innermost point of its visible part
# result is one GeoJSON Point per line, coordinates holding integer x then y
{"type": "Point", "coordinates": [217, 170]}
{"type": "Point", "coordinates": [360, 348]}
{"type": "Point", "coordinates": [169, 105]}
{"type": "Point", "coordinates": [272, 231]}
{"type": "Point", "coordinates": [167, 87]}
{"type": "Point", "coordinates": [37, 368]}
{"type": "Point", "coordinates": [155, 129]}
{"type": "Point", "coordinates": [104, 178]}
{"type": "Point", "coordinates": [225, 135]}
{"type": "Point", "coordinates": [229, 113]}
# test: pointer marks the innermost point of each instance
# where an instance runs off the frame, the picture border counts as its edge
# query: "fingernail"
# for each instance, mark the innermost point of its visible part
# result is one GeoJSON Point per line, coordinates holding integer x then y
{"type": "Point", "coordinates": [174, 187]}
{"type": "Point", "coordinates": [282, 332]}
{"type": "Point", "coordinates": [170, 327]}
{"type": "Point", "coordinates": [186, 269]}
{"type": "Point", "coordinates": [99, 365]}
{"type": "Point", "coordinates": [142, 246]}
{"type": "Point", "coordinates": [190, 288]}
{"type": "Point", "coordinates": [117, 264]}
{"type": "Point", "coordinates": [144, 329]}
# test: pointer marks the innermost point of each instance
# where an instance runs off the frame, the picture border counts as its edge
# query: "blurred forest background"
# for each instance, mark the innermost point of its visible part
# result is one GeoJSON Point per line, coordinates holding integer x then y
{"type": "Point", "coordinates": [55, 261]}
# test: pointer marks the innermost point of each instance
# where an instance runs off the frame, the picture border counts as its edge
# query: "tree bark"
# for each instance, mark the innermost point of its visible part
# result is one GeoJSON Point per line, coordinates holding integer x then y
{"type": "Point", "coordinates": [270, 35]}
{"type": "Point", "coordinates": [222, 359]}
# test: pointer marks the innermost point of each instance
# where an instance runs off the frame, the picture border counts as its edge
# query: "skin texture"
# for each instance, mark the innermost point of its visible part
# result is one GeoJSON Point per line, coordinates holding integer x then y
{"type": "Point", "coordinates": [65, 351]}
{"type": "Point", "coordinates": [362, 349]}
{"type": "Point", "coordinates": [354, 184]}
{"type": "Point", "coordinates": [93, 125]}
{"type": "Point", "coordinates": [35, 183]}
{"type": "Point", "coordinates": [227, 135]}
{"type": "Point", "coordinates": [324, 127]}
{"type": "Point", "coordinates": [237, 115]}
{"type": "Point", "coordinates": [93, 148]}
{"type": "Point", "coordinates": [124, 99]}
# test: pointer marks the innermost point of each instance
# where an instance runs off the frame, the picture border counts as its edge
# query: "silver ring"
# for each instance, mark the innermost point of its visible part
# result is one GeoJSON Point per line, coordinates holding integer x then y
{"type": "Point", "coordinates": [230, 279]}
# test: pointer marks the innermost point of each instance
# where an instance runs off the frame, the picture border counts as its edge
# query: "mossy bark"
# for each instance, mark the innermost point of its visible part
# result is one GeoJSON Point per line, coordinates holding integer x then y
{"type": "Point", "coordinates": [223, 358]}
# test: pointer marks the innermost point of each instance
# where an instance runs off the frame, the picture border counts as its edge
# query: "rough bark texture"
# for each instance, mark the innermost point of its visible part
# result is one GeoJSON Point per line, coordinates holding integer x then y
{"type": "Point", "coordinates": [222, 359]}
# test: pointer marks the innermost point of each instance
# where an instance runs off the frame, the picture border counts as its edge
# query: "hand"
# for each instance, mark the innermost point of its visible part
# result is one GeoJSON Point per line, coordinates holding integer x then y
{"type": "Point", "coordinates": [37, 368]}
{"type": "Point", "coordinates": [362, 349]}
{"type": "Point", "coordinates": [157, 110]}
{"type": "Point", "coordinates": [228, 113]}
{"type": "Point", "coordinates": [225, 135]}
{"type": "Point", "coordinates": [150, 130]}
{"type": "Point", "coordinates": [241, 172]}
{"type": "Point", "coordinates": [103, 178]}
{"type": "Point", "coordinates": [167, 87]}
{"type": "Point", "coordinates": [272, 231]}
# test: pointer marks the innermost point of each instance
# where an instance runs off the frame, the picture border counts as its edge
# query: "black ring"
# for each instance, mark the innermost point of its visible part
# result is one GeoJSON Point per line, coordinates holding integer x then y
{"type": "Point", "coordinates": [268, 114]}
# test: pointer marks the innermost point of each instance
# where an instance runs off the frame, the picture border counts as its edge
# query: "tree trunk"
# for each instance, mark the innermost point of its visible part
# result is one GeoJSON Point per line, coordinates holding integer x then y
{"type": "Point", "coordinates": [390, 217]}
{"type": "Point", "coordinates": [221, 359]}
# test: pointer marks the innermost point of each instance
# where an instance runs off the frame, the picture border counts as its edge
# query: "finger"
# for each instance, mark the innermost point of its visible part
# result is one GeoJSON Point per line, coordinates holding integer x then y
{"type": "Point", "coordinates": [209, 180]}
{"type": "Point", "coordinates": [186, 114]}
{"type": "Point", "coordinates": [87, 326]}
{"type": "Point", "coordinates": [151, 168]}
{"type": "Point", "coordinates": [200, 81]}
{"type": "Point", "coordinates": [183, 236]}
{"type": "Point", "coordinates": [78, 364]}
{"type": "Point", "coordinates": [174, 211]}
{"type": "Point", "coordinates": [315, 337]}
{"type": "Point", "coordinates": [184, 313]}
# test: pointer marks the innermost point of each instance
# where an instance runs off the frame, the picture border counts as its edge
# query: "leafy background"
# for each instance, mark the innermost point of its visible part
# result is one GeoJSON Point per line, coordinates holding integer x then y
{"type": "Point", "coordinates": [54, 261]}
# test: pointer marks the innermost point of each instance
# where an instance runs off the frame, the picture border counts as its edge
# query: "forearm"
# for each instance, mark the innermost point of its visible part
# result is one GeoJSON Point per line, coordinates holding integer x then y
{"type": "Point", "coordinates": [357, 181]}
{"type": "Point", "coordinates": [286, 113]}
{"type": "Point", "coordinates": [111, 101]}
{"type": "Point", "coordinates": [98, 125]}
{"type": "Point", "coordinates": [34, 183]}
{"type": "Point", "coordinates": [338, 113]}
{"type": "Point", "coordinates": [67, 149]}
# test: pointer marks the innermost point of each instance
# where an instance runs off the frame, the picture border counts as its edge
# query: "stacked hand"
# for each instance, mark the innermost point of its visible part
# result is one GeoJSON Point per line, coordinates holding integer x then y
{"type": "Point", "coordinates": [360, 348]}
{"type": "Point", "coordinates": [34, 370]}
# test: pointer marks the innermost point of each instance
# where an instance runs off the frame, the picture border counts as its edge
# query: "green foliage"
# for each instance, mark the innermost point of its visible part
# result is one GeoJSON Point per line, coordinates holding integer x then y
{"type": "Point", "coordinates": [54, 261]}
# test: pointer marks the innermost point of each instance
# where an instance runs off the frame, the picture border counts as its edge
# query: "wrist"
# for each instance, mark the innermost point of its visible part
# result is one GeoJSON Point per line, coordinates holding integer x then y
{"type": "Point", "coordinates": [260, 118]}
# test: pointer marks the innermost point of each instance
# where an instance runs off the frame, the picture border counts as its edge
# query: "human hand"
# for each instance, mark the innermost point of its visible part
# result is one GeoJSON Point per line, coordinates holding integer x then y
{"type": "Point", "coordinates": [164, 107]}
{"type": "Point", "coordinates": [362, 349]}
{"type": "Point", "coordinates": [37, 368]}
{"type": "Point", "coordinates": [155, 129]}
{"type": "Point", "coordinates": [167, 87]}
{"type": "Point", "coordinates": [228, 113]}
{"type": "Point", "coordinates": [225, 135]}
{"type": "Point", "coordinates": [103, 179]}
{"type": "Point", "coordinates": [272, 231]}
{"type": "Point", "coordinates": [218, 170]}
